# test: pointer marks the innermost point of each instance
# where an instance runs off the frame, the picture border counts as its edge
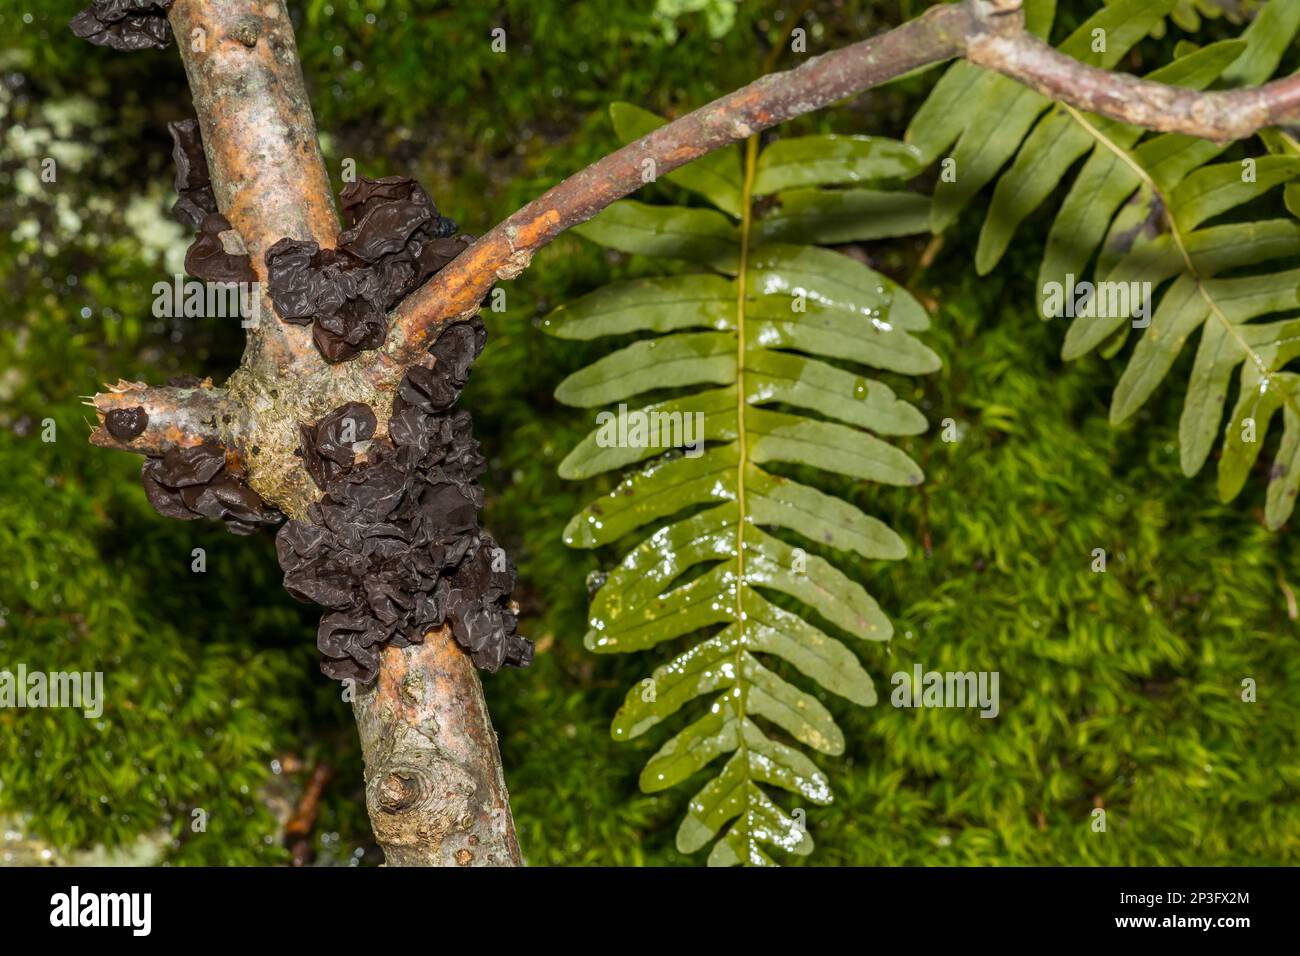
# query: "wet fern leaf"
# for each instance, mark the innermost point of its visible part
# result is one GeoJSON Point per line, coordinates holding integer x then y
{"type": "Point", "coordinates": [1189, 15]}
{"type": "Point", "coordinates": [1149, 213]}
{"type": "Point", "coordinates": [757, 355]}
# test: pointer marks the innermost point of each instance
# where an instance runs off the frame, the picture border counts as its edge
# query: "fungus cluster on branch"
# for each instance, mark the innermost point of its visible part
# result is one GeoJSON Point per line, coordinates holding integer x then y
{"type": "Point", "coordinates": [394, 549]}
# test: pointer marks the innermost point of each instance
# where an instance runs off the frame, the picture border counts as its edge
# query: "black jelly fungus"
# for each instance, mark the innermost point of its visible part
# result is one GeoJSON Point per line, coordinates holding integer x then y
{"type": "Point", "coordinates": [125, 25]}
{"type": "Point", "coordinates": [125, 424]}
{"type": "Point", "coordinates": [393, 242]}
{"type": "Point", "coordinates": [196, 207]}
{"type": "Point", "coordinates": [394, 546]}
{"type": "Point", "coordinates": [197, 482]}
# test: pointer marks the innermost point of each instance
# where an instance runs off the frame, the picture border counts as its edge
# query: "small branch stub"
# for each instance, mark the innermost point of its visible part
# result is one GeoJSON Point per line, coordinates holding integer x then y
{"type": "Point", "coordinates": [155, 420]}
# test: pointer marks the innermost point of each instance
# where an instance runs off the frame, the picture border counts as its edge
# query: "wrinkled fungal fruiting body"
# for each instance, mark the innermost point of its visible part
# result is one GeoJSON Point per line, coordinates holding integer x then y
{"type": "Point", "coordinates": [394, 548]}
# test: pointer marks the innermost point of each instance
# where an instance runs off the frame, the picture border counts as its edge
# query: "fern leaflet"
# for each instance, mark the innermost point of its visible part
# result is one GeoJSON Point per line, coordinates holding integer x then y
{"type": "Point", "coordinates": [1148, 209]}
{"type": "Point", "coordinates": [743, 349]}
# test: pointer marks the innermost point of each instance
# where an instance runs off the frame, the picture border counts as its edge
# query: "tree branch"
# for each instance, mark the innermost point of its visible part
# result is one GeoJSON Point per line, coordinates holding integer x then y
{"type": "Point", "coordinates": [172, 417]}
{"type": "Point", "coordinates": [989, 33]}
{"type": "Point", "coordinates": [425, 718]}
{"type": "Point", "coordinates": [507, 250]}
{"type": "Point", "coordinates": [1219, 115]}
{"type": "Point", "coordinates": [260, 140]}
{"type": "Point", "coordinates": [434, 785]}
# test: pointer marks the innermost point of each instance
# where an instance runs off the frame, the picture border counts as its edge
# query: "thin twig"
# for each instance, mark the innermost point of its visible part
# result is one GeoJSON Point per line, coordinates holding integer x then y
{"type": "Point", "coordinates": [507, 250]}
{"type": "Point", "coordinates": [297, 832]}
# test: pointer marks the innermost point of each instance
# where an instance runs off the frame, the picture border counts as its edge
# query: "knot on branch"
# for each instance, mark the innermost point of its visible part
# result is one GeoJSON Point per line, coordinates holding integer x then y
{"type": "Point", "coordinates": [397, 792]}
{"type": "Point", "coordinates": [417, 794]}
{"type": "Point", "coordinates": [394, 549]}
{"type": "Point", "coordinates": [999, 16]}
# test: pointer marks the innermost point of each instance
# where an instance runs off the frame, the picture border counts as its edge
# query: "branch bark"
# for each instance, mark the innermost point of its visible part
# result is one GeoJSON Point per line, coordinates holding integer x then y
{"type": "Point", "coordinates": [176, 417]}
{"type": "Point", "coordinates": [424, 724]}
{"type": "Point", "coordinates": [260, 139]}
{"type": "Point", "coordinates": [1220, 115]}
{"type": "Point", "coordinates": [434, 784]}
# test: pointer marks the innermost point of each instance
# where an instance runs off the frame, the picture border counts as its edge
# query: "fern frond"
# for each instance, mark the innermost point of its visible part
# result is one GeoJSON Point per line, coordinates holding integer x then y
{"type": "Point", "coordinates": [1189, 15]}
{"type": "Point", "coordinates": [1150, 209]}
{"type": "Point", "coordinates": [767, 350]}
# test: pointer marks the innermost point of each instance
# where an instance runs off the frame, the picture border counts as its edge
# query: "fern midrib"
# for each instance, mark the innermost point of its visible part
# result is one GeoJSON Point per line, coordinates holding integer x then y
{"type": "Point", "coordinates": [742, 449]}
{"type": "Point", "coordinates": [742, 456]}
{"type": "Point", "coordinates": [1266, 374]}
